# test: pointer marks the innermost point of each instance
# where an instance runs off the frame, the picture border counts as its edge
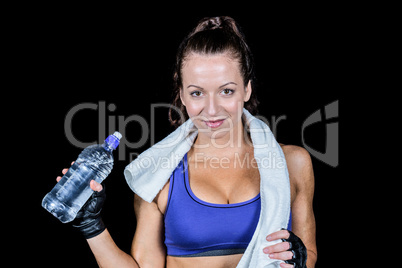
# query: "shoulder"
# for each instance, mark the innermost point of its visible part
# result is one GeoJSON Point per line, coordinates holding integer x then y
{"type": "Point", "coordinates": [299, 165]}
{"type": "Point", "coordinates": [296, 156]}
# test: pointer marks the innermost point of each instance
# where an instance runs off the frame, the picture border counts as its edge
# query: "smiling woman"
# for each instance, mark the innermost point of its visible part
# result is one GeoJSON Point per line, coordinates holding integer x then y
{"type": "Point", "coordinates": [213, 94]}
{"type": "Point", "coordinates": [228, 40]}
{"type": "Point", "coordinates": [198, 213]}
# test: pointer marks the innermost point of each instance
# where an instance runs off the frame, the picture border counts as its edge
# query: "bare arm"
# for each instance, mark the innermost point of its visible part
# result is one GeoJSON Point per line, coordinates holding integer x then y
{"type": "Point", "coordinates": [107, 254]}
{"type": "Point", "coordinates": [103, 247]}
{"type": "Point", "coordinates": [302, 178]}
{"type": "Point", "coordinates": [147, 248]}
{"type": "Point", "coordinates": [303, 222]}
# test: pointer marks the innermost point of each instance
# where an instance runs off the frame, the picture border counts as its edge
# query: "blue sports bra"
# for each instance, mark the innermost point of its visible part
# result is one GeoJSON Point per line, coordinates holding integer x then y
{"type": "Point", "coordinates": [196, 228]}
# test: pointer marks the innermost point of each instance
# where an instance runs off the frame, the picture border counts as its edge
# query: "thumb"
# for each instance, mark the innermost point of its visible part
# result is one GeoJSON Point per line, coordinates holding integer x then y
{"type": "Point", "coordinates": [95, 186]}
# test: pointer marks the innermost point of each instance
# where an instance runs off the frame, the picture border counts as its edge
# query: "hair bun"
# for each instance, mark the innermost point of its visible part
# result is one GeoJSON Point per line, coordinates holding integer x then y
{"type": "Point", "coordinates": [212, 23]}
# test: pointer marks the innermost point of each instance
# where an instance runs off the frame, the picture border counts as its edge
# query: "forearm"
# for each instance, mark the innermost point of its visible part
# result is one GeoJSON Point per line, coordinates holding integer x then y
{"type": "Point", "coordinates": [107, 253]}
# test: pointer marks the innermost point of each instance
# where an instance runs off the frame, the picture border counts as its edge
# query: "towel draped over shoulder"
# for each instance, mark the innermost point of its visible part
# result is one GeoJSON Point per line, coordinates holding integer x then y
{"type": "Point", "coordinates": [151, 170]}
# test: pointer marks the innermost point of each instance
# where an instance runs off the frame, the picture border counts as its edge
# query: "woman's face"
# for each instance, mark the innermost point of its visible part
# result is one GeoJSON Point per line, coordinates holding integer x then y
{"type": "Point", "coordinates": [213, 93]}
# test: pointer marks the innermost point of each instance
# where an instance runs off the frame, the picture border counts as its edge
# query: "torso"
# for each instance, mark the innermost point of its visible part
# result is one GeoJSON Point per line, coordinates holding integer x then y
{"type": "Point", "coordinates": [224, 180]}
{"type": "Point", "coordinates": [220, 181]}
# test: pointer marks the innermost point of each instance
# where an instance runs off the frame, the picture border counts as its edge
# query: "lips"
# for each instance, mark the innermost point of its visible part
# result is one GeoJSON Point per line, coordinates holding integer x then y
{"type": "Point", "coordinates": [214, 123]}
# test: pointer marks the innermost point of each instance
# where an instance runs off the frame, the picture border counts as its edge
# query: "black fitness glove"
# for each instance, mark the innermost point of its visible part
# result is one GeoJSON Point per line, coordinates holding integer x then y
{"type": "Point", "coordinates": [88, 220]}
{"type": "Point", "coordinates": [299, 251]}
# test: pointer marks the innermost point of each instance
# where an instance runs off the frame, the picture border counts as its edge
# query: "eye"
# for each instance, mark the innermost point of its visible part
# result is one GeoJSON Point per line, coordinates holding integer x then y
{"type": "Point", "coordinates": [196, 93]}
{"type": "Point", "coordinates": [227, 91]}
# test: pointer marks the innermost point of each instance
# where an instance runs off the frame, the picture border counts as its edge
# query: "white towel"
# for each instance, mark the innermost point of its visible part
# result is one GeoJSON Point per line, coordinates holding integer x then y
{"type": "Point", "coordinates": [150, 171]}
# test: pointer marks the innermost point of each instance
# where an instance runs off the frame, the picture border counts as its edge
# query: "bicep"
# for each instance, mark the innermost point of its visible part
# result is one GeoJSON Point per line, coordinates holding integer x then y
{"type": "Point", "coordinates": [148, 248]}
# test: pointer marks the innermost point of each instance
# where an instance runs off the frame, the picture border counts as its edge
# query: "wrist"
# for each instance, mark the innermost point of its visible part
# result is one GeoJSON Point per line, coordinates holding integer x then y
{"type": "Point", "coordinates": [91, 228]}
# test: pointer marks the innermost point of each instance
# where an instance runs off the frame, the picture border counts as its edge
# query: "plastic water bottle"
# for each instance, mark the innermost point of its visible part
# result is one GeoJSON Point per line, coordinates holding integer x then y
{"type": "Point", "coordinates": [94, 163]}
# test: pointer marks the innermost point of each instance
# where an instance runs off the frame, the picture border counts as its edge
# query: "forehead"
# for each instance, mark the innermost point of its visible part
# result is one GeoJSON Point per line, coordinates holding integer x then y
{"type": "Point", "coordinates": [210, 70]}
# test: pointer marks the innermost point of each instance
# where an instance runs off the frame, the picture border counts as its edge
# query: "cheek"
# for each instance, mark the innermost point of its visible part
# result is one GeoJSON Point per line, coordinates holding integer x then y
{"type": "Point", "coordinates": [194, 108]}
{"type": "Point", "coordinates": [234, 106]}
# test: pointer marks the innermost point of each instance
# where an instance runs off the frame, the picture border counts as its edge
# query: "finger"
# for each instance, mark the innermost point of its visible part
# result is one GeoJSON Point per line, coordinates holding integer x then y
{"type": "Point", "coordinates": [282, 234]}
{"type": "Point", "coordinates": [283, 246]}
{"type": "Point", "coordinates": [58, 178]}
{"type": "Point", "coordinates": [285, 265]}
{"type": "Point", "coordinates": [72, 162]}
{"type": "Point", "coordinates": [64, 171]}
{"type": "Point", "coordinates": [95, 186]}
{"type": "Point", "coordinates": [285, 255]}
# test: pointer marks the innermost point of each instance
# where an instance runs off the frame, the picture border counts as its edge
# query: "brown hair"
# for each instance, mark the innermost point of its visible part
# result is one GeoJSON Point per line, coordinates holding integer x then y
{"type": "Point", "coordinates": [214, 35]}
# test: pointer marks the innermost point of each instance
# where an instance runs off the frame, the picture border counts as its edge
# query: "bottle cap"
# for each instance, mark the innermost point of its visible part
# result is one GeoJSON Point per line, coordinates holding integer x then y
{"type": "Point", "coordinates": [114, 140]}
{"type": "Point", "coordinates": [117, 135]}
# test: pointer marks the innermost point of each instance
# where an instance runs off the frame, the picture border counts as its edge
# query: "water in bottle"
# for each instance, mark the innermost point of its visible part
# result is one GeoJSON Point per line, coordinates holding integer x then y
{"type": "Point", "coordinates": [94, 163]}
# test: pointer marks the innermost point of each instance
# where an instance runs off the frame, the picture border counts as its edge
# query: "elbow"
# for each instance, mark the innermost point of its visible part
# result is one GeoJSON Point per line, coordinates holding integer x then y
{"type": "Point", "coordinates": [145, 260]}
{"type": "Point", "coordinates": [311, 258]}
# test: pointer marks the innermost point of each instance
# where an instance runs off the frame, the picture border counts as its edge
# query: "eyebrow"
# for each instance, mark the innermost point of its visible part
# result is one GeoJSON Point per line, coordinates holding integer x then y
{"type": "Point", "coordinates": [228, 84]}
{"type": "Point", "coordinates": [194, 86]}
{"type": "Point", "coordinates": [219, 87]}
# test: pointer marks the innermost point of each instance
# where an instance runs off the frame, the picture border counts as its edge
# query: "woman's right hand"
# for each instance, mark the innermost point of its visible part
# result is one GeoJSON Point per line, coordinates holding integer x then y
{"type": "Point", "coordinates": [88, 220]}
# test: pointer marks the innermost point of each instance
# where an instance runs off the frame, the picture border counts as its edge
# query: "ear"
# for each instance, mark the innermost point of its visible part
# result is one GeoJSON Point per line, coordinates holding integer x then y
{"type": "Point", "coordinates": [181, 97]}
{"type": "Point", "coordinates": [248, 90]}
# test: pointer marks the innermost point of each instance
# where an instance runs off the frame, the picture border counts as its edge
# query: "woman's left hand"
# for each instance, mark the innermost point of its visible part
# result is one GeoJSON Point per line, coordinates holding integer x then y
{"type": "Point", "coordinates": [291, 250]}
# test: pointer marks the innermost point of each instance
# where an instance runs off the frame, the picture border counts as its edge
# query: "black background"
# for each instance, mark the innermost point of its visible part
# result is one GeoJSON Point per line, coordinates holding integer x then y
{"type": "Point", "coordinates": [124, 56]}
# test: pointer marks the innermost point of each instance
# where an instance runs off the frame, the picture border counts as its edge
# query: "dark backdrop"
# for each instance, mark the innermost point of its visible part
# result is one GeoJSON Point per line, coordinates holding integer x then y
{"type": "Point", "coordinates": [121, 63]}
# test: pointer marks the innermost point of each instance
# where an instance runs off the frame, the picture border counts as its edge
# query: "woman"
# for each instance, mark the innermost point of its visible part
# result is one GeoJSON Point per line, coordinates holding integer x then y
{"type": "Point", "coordinates": [218, 177]}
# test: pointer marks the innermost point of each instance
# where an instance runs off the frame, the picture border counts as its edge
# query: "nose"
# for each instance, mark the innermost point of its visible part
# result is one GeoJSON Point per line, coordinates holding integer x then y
{"type": "Point", "coordinates": [212, 106]}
